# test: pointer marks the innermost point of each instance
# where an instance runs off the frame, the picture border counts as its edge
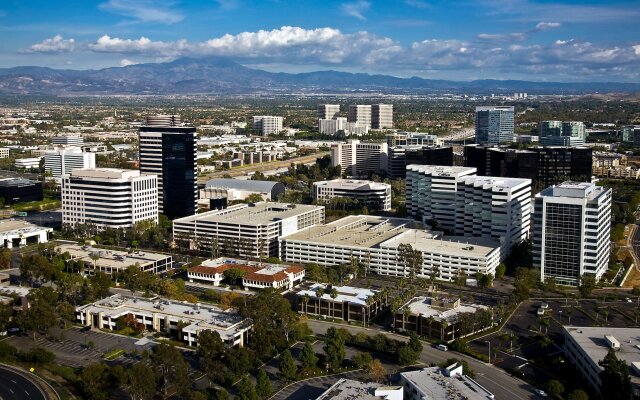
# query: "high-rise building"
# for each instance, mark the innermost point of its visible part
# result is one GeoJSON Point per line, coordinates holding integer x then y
{"type": "Point", "coordinates": [62, 162]}
{"type": "Point", "coordinates": [109, 197]}
{"type": "Point", "coordinates": [494, 124]}
{"type": "Point", "coordinates": [457, 200]}
{"type": "Point", "coordinates": [168, 149]}
{"type": "Point", "coordinates": [67, 140]}
{"type": "Point", "coordinates": [400, 156]}
{"type": "Point", "coordinates": [559, 133]}
{"type": "Point", "coordinates": [360, 159]}
{"type": "Point", "coordinates": [382, 116]}
{"type": "Point", "coordinates": [361, 114]}
{"type": "Point", "coordinates": [332, 126]}
{"type": "Point", "coordinates": [328, 111]}
{"type": "Point", "coordinates": [267, 125]}
{"type": "Point", "coordinates": [571, 228]}
{"type": "Point", "coordinates": [628, 133]}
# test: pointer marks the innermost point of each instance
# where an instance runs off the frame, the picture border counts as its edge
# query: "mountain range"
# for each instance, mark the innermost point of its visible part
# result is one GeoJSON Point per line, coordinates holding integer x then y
{"type": "Point", "coordinates": [215, 76]}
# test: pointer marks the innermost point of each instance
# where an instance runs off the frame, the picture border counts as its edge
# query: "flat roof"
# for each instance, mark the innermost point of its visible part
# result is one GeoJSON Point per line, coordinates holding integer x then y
{"type": "Point", "coordinates": [450, 245]}
{"type": "Point", "coordinates": [261, 213]}
{"type": "Point", "coordinates": [110, 258]}
{"type": "Point", "coordinates": [14, 182]}
{"type": "Point", "coordinates": [437, 386]}
{"type": "Point", "coordinates": [353, 184]}
{"type": "Point", "coordinates": [426, 306]}
{"type": "Point", "coordinates": [242, 184]}
{"type": "Point", "coordinates": [498, 183]}
{"type": "Point", "coordinates": [15, 226]}
{"type": "Point", "coordinates": [439, 170]}
{"type": "Point", "coordinates": [349, 389]}
{"type": "Point", "coordinates": [349, 294]}
{"type": "Point", "coordinates": [105, 173]}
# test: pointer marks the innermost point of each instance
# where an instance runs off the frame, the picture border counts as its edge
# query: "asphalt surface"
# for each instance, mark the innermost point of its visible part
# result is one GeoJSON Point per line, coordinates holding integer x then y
{"type": "Point", "coordinates": [497, 381]}
{"type": "Point", "coordinates": [15, 386]}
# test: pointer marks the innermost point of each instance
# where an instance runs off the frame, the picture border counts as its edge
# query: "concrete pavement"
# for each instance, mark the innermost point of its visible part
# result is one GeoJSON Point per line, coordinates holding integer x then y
{"type": "Point", "coordinates": [18, 385]}
{"type": "Point", "coordinates": [497, 381]}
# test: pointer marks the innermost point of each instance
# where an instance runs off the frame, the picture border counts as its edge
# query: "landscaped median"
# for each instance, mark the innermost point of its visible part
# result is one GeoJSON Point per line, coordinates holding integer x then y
{"type": "Point", "coordinates": [42, 205]}
{"type": "Point", "coordinates": [113, 354]}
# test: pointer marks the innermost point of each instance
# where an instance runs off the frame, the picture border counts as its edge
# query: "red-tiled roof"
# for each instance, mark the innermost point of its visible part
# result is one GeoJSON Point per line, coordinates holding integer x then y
{"type": "Point", "coordinates": [251, 271]}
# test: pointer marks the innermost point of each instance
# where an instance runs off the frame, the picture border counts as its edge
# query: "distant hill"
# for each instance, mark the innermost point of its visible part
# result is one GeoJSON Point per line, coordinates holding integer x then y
{"type": "Point", "coordinates": [224, 76]}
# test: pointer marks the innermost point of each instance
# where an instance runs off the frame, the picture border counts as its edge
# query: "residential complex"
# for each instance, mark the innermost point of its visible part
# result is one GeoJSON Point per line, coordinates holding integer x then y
{"type": "Point", "coordinates": [559, 133]}
{"type": "Point", "coordinates": [183, 320]}
{"type": "Point", "coordinates": [114, 261]}
{"type": "Point", "coordinates": [442, 383]}
{"type": "Point", "coordinates": [360, 159]}
{"type": "Point", "coordinates": [168, 150]}
{"type": "Point", "coordinates": [458, 201]}
{"type": "Point", "coordinates": [494, 124]}
{"type": "Point", "coordinates": [109, 197]}
{"type": "Point", "coordinates": [373, 195]}
{"type": "Point", "coordinates": [341, 302]}
{"type": "Point", "coordinates": [63, 161]}
{"type": "Point", "coordinates": [18, 190]}
{"type": "Point", "coordinates": [266, 125]}
{"type": "Point", "coordinates": [571, 232]}
{"type": "Point", "coordinates": [248, 230]}
{"type": "Point", "coordinates": [374, 241]}
{"type": "Point", "coordinates": [256, 275]}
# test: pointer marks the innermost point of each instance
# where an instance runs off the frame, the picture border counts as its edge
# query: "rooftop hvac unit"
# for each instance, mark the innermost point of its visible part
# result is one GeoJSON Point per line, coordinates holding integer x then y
{"type": "Point", "coordinates": [612, 342]}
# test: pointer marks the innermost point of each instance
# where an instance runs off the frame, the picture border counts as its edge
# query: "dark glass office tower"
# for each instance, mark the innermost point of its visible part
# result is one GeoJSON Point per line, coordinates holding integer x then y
{"type": "Point", "coordinates": [168, 149]}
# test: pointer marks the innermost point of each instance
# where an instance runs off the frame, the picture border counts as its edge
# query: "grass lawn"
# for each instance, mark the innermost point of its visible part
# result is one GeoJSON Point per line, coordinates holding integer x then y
{"type": "Point", "coordinates": [46, 204]}
{"type": "Point", "coordinates": [113, 354]}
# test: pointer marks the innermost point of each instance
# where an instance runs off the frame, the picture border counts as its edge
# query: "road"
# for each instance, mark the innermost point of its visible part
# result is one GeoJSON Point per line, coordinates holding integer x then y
{"type": "Point", "coordinates": [497, 381]}
{"type": "Point", "coordinates": [16, 386]}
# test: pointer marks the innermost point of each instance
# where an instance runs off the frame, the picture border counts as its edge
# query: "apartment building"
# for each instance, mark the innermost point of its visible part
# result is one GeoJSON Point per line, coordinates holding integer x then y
{"type": "Point", "coordinates": [266, 125]}
{"type": "Point", "coordinates": [571, 232]}
{"type": "Point", "coordinates": [62, 161]}
{"type": "Point", "coordinates": [374, 195]}
{"type": "Point", "coordinates": [359, 159]}
{"type": "Point", "coordinates": [374, 241]}
{"type": "Point", "coordinates": [246, 230]}
{"type": "Point", "coordinates": [168, 149]}
{"type": "Point", "coordinates": [382, 116]}
{"type": "Point", "coordinates": [494, 124]}
{"type": "Point", "coordinates": [109, 197]}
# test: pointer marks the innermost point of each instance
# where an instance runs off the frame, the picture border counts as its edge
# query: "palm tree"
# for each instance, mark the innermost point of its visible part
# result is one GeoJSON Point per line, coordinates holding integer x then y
{"type": "Point", "coordinates": [406, 313]}
{"type": "Point", "coordinates": [443, 328]}
{"type": "Point", "coordinates": [606, 315]}
{"type": "Point", "coordinates": [546, 341]}
{"type": "Point", "coordinates": [430, 321]}
{"type": "Point", "coordinates": [319, 294]}
{"type": "Point", "coordinates": [333, 293]}
{"type": "Point", "coordinates": [305, 301]}
{"type": "Point", "coordinates": [95, 257]}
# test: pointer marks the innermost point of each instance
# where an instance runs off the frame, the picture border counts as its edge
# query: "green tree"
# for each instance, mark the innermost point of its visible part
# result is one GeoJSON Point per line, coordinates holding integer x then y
{"type": "Point", "coordinates": [263, 385]}
{"type": "Point", "coordinates": [410, 259]}
{"type": "Point", "coordinates": [140, 382]}
{"type": "Point", "coordinates": [95, 381]}
{"type": "Point", "coordinates": [172, 368]}
{"type": "Point", "coordinates": [288, 368]}
{"type": "Point", "coordinates": [578, 395]}
{"type": "Point", "coordinates": [406, 355]}
{"type": "Point", "coordinates": [414, 343]}
{"type": "Point", "coordinates": [616, 381]}
{"type": "Point", "coordinates": [308, 358]}
{"type": "Point", "coordinates": [233, 275]}
{"type": "Point", "coordinates": [334, 348]}
{"type": "Point", "coordinates": [246, 390]}
{"type": "Point", "coordinates": [253, 198]}
{"type": "Point", "coordinates": [500, 270]}
{"type": "Point", "coordinates": [555, 388]}
{"type": "Point", "coordinates": [587, 284]}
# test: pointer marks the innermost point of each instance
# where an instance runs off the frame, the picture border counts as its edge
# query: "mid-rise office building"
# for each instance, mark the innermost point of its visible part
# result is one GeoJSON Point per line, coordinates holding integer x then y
{"type": "Point", "coordinates": [359, 159]}
{"type": "Point", "coordinates": [328, 111]}
{"type": "Point", "coordinates": [559, 133]}
{"type": "Point", "coordinates": [413, 139]}
{"type": "Point", "coordinates": [571, 228]}
{"type": "Point", "coordinates": [18, 190]}
{"type": "Point", "coordinates": [361, 114]}
{"type": "Point", "coordinates": [382, 116]}
{"type": "Point", "coordinates": [109, 197]}
{"type": "Point", "coordinates": [63, 161]}
{"type": "Point", "coordinates": [332, 126]}
{"type": "Point", "coordinates": [442, 383]}
{"type": "Point", "coordinates": [266, 125]}
{"type": "Point", "coordinates": [464, 204]}
{"type": "Point", "coordinates": [494, 124]}
{"type": "Point", "coordinates": [246, 230]}
{"type": "Point", "coordinates": [545, 166]}
{"type": "Point", "coordinates": [168, 149]}
{"type": "Point", "coordinates": [76, 141]}
{"type": "Point", "coordinates": [28, 163]}
{"type": "Point", "coordinates": [629, 133]}
{"type": "Point", "coordinates": [374, 195]}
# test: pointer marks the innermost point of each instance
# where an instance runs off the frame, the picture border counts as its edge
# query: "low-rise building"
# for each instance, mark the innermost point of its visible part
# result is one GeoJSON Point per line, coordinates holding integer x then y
{"type": "Point", "coordinates": [608, 159]}
{"type": "Point", "coordinates": [4, 152]}
{"type": "Point", "coordinates": [257, 275]}
{"type": "Point", "coordinates": [348, 389]}
{"type": "Point", "coordinates": [114, 261]}
{"type": "Point", "coordinates": [437, 383]}
{"type": "Point", "coordinates": [27, 163]}
{"type": "Point", "coordinates": [617, 172]}
{"type": "Point", "coordinates": [442, 317]}
{"type": "Point", "coordinates": [239, 189]}
{"type": "Point", "coordinates": [15, 233]}
{"type": "Point", "coordinates": [341, 302]}
{"type": "Point", "coordinates": [164, 315]}
{"type": "Point", "coordinates": [373, 195]}
{"type": "Point", "coordinates": [18, 190]}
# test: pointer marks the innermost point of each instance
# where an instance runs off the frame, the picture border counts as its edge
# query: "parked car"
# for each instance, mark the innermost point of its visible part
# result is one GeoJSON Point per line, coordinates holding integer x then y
{"type": "Point", "coordinates": [541, 393]}
{"type": "Point", "coordinates": [442, 347]}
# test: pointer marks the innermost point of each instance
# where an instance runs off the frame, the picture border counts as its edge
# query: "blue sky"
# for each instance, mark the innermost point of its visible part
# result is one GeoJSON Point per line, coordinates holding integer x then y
{"type": "Point", "coordinates": [503, 39]}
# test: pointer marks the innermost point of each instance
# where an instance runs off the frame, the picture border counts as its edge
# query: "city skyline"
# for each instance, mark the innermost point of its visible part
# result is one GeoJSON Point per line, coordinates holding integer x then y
{"type": "Point", "coordinates": [510, 39]}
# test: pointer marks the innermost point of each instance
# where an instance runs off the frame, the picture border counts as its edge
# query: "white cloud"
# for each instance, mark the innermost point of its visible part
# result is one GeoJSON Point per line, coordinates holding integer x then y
{"type": "Point", "coordinates": [636, 48]}
{"type": "Point", "coordinates": [125, 62]}
{"type": "Point", "coordinates": [56, 44]}
{"type": "Point", "coordinates": [542, 26]}
{"type": "Point", "coordinates": [145, 10]}
{"type": "Point", "coordinates": [356, 9]}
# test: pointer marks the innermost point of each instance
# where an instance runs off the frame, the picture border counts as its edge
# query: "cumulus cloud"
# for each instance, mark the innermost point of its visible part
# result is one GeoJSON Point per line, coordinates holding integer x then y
{"type": "Point", "coordinates": [518, 36]}
{"type": "Point", "coordinates": [56, 44]}
{"type": "Point", "coordinates": [157, 11]}
{"type": "Point", "coordinates": [356, 9]}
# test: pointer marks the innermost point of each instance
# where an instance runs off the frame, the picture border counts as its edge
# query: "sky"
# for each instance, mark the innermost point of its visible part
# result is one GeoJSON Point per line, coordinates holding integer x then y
{"type": "Point", "coordinates": [538, 40]}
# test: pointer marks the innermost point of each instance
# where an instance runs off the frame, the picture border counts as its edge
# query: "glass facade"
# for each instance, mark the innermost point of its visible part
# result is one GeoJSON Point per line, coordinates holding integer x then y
{"type": "Point", "coordinates": [178, 175]}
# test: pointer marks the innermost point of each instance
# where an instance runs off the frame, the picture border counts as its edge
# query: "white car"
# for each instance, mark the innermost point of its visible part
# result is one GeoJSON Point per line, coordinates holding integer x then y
{"type": "Point", "coordinates": [541, 393]}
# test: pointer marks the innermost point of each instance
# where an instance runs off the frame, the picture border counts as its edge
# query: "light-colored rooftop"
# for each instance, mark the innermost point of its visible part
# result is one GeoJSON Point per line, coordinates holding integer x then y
{"type": "Point", "coordinates": [349, 294]}
{"type": "Point", "coordinates": [449, 245]}
{"type": "Point", "coordinates": [14, 290]}
{"type": "Point", "coordinates": [353, 184]}
{"type": "Point", "coordinates": [437, 386]}
{"type": "Point", "coordinates": [579, 190]}
{"type": "Point", "coordinates": [443, 171]}
{"type": "Point", "coordinates": [348, 389]}
{"type": "Point", "coordinates": [110, 258]}
{"type": "Point", "coordinates": [251, 214]}
{"type": "Point", "coordinates": [497, 183]}
{"type": "Point", "coordinates": [105, 173]}
{"type": "Point", "coordinates": [426, 306]}
{"type": "Point", "coordinates": [17, 227]}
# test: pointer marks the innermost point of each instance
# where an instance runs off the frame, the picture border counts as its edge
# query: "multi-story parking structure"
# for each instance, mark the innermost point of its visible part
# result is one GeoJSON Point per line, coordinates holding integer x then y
{"type": "Point", "coordinates": [246, 230]}
{"type": "Point", "coordinates": [374, 195]}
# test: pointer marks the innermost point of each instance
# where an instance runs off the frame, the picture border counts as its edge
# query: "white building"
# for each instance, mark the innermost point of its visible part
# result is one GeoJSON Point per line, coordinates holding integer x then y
{"type": "Point", "coordinates": [16, 233]}
{"type": "Point", "coordinates": [349, 389]}
{"type": "Point", "coordinates": [257, 275]}
{"type": "Point", "coordinates": [267, 125]}
{"type": "Point", "coordinates": [360, 159]}
{"type": "Point", "coordinates": [27, 163]}
{"type": "Point", "coordinates": [332, 126]}
{"type": "Point", "coordinates": [109, 197]}
{"type": "Point", "coordinates": [361, 114]}
{"type": "Point", "coordinates": [374, 195]}
{"type": "Point", "coordinates": [4, 152]}
{"type": "Point", "coordinates": [571, 231]}
{"type": "Point", "coordinates": [458, 201]}
{"type": "Point", "coordinates": [328, 111]}
{"type": "Point", "coordinates": [163, 315]}
{"type": "Point", "coordinates": [75, 140]}
{"type": "Point", "coordinates": [437, 383]}
{"type": "Point", "coordinates": [248, 230]}
{"type": "Point", "coordinates": [382, 116]}
{"type": "Point", "coordinates": [374, 241]}
{"type": "Point", "coordinates": [63, 161]}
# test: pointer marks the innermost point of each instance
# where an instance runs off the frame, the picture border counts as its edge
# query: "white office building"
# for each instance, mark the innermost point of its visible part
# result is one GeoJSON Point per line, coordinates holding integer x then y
{"type": "Point", "coordinates": [63, 161]}
{"type": "Point", "coordinates": [246, 230]}
{"type": "Point", "coordinates": [332, 126]}
{"type": "Point", "coordinates": [73, 140]}
{"type": "Point", "coordinates": [571, 231]}
{"type": "Point", "coordinates": [374, 195]}
{"type": "Point", "coordinates": [266, 125]}
{"type": "Point", "coordinates": [360, 159]}
{"type": "Point", "coordinates": [349, 389]}
{"type": "Point", "coordinates": [27, 163]}
{"type": "Point", "coordinates": [328, 111]}
{"type": "Point", "coordinates": [382, 116]}
{"type": "Point", "coordinates": [361, 114]}
{"type": "Point", "coordinates": [458, 201]}
{"type": "Point", "coordinates": [374, 241]}
{"type": "Point", "coordinates": [436, 383]}
{"type": "Point", "coordinates": [109, 197]}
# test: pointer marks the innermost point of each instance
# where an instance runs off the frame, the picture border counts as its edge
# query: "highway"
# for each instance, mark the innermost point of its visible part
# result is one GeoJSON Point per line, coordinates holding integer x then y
{"type": "Point", "coordinates": [497, 381]}
{"type": "Point", "coordinates": [16, 386]}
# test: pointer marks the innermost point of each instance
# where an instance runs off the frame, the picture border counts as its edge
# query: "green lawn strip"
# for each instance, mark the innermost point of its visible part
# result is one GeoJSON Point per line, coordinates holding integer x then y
{"type": "Point", "coordinates": [113, 354]}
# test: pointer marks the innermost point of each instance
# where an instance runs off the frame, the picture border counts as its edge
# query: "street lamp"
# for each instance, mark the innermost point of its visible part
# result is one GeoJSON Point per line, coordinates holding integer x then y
{"type": "Point", "coordinates": [489, 342]}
